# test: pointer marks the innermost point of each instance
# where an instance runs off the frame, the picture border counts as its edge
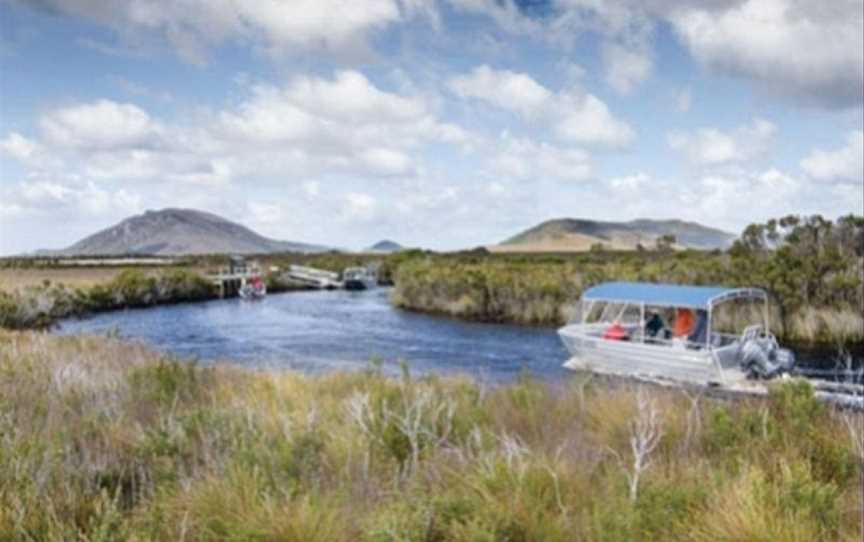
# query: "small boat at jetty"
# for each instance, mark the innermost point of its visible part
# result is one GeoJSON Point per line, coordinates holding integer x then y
{"type": "Point", "coordinates": [624, 328]}
{"type": "Point", "coordinates": [359, 278]}
{"type": "Point", "coordinates": [254, 288]}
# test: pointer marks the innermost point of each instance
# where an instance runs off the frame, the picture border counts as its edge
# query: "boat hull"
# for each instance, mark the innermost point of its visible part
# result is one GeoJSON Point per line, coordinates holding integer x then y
{"type": "Point", "coordinates": [356, 285]}
{"type": "Point", "coordinates": [628, 358]}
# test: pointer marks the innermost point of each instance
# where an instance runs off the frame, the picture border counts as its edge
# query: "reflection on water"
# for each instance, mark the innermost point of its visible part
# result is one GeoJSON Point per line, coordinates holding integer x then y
{"type": "Point", "coordinates": [321, 330]}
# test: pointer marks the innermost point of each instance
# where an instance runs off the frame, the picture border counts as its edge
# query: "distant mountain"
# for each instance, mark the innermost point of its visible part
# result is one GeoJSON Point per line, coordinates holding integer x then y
{"type": "Point", "coordinates": [385, 246]}
{"type": "Point", "coordinates": [179, 232]}
{"type": "Point", "coordinates": [576, 235]}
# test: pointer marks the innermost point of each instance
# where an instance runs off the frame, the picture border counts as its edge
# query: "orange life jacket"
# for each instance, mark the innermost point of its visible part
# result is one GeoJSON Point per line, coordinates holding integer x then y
{"type": "Point", "coordinates": [684, 322]}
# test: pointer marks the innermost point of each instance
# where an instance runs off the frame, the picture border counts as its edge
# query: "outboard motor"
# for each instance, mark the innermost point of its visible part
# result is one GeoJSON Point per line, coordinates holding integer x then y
{"type": "Point", "coordinates": [761, 357]}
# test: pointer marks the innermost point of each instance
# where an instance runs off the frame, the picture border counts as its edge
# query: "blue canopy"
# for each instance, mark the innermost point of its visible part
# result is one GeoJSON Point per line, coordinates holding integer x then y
{"type": "Point", "coordinates": [667, 295]}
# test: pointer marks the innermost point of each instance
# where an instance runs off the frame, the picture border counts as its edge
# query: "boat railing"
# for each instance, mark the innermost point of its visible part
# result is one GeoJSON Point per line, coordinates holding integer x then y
{"type": "Point", "coordinates": [636, 334]}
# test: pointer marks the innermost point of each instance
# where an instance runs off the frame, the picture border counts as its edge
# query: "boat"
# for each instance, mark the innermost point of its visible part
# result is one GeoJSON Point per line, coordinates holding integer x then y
{"type": "Point", "coordinates": [359, 278]}
{"type": "Point", "coordinates": [254, 288]}
{"type": "Point", "coordinates": [620, 328]}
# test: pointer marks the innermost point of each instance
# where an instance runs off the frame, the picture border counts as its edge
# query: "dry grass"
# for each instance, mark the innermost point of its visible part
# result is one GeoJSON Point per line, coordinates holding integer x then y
{"type": "Point", "coordinates": [15, 278]}
{"type": "Point", "coordinates": [12, 278]}
{"type": "Point", "coordinates": [103, 440]}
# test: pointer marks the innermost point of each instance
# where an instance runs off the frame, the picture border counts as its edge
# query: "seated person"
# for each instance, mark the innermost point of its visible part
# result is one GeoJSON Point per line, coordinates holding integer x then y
{"type": "Point", "coordinates": [616, 332]}
{"type": "Point", "coordinates": [684, 322]}
{"type": "Point", "coordinates": [655, 327]}
{"type": "Point", "coordinates": [699, 334]}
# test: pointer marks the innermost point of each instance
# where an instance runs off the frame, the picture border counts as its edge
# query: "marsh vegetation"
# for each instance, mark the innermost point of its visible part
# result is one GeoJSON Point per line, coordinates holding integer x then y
{"type": "Point", "coordinates": [103, 440]}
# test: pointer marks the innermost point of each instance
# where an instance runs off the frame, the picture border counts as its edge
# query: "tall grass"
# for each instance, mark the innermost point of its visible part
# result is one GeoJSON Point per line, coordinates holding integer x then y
{"type": "Point", "coordinates": [103, 440]}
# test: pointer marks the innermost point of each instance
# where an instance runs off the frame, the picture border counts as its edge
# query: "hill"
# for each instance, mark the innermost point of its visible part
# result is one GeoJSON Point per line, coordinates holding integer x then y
{"type": "Point", "coordinates": [577, 235]}
{"type": "Point", "coordinates": [179, 232]}
{"type": "Point", "coordinates": [385, 246]}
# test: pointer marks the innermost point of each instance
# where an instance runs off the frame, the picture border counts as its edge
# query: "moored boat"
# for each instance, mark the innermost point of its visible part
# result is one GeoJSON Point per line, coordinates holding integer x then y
{"type": "Point", "coordinates": [623, 328]}
{"type": "Point", "coordinates": [359, 278]}
{"type": "Point", "coordinates": [254, 288]}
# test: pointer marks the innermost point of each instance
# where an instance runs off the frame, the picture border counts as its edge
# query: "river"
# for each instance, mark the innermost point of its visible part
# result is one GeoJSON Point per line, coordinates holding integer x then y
{"type": "Point", "coordinates": [325, 330]}
{"type": "Point", "coordinates": [318, 331]}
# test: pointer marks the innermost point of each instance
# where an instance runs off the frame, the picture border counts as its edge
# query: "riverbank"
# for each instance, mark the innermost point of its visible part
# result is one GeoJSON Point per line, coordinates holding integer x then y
{"type": "Point", "coordinates": [40, 305]}
{"type": "Point", "coordinates": [107, 439]}
{"type": "Point", "coordinates": [542, 291]}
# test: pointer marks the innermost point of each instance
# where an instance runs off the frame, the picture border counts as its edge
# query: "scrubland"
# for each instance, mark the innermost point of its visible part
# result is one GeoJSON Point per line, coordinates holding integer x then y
{"type": "Point", "coordinates": [105, 440]}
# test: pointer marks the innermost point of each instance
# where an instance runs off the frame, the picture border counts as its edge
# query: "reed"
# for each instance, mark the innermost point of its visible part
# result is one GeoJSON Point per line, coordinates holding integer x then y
{"type": "Point", "coordinates": [105, 440]}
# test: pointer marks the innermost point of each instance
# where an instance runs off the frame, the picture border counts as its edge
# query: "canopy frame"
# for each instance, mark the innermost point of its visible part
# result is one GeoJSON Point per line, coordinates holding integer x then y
{"type": "Point", "coordinates": [701, 301]}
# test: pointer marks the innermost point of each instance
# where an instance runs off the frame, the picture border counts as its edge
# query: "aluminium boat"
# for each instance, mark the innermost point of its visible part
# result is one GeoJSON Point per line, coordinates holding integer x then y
{"type": "Point", "coordinates": [359, 278]}
{"type": "Point", "coordinates": [623, 328]}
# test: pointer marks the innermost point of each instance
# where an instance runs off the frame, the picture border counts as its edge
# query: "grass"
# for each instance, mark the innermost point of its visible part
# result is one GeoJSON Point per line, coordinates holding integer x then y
{"type": "Point", "coordinates": [105, 440]}
{"type": "Point", "coordinates": [12, 278]}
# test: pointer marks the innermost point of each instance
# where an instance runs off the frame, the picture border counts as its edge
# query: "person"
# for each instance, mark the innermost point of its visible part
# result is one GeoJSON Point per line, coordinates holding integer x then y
{"type": "Point", "coordinates": [684, 322]}
{"type": "Point", "coordinates": [616, 332]}
{"type": "Point", "coordinates": [699, 334]}
{"type": "Point", "coordinates": [655, 326]}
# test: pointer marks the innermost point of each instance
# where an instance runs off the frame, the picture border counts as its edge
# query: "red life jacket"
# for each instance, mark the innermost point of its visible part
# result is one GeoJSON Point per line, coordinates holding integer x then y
{"type": "Point", "coordinates": [615, 332]}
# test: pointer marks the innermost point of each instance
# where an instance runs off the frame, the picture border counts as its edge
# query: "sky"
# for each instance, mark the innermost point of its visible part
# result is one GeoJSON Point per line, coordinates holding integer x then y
{"type": "Point", "coordinates": [437, 123]}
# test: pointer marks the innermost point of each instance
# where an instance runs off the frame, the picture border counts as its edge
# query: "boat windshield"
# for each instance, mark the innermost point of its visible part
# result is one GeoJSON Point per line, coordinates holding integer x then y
{"type": "Point", "coordinates": [693, 317]}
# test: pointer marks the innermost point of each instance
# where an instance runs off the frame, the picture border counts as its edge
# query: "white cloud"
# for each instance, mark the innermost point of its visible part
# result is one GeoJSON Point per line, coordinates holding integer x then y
{"type": "Point", "coordinates": [63, 197]}
{"type": "Point", "coordinates": [337, 27]}
{"type": "Point", "coordinates": [626, 67]}
{"type": "Point", "coordinates": [387, 161]}
{"type": "Point", "coordinates": [309, 127]}
{"type": "Point", "coordinates": [709, 146]}
{"type": "Point", "coordinates": [100, 125]}
{"type": "Point", "coordinates": [585, 118]}
{"type": "Point", "coordinates": [503, 88]}
{"type": "Point", "coordinates": [264, 212]}
{"type": "Point", "coordinates": [845, 164]}
{"type": "Point", "coordinates": [574, 116]}
{"type": "Point", "coordinates": [528, 160]}
{"type": "Point", "coordinates": [311, 188]}
{"type": "Point", "coordinates": [19, 147]}
{"type": "Point", "coordinates": [727, 200]}
{"type": "Point", "coordinates": [629, 184]}
{"type": "Point", "coordinates": [359, 207]}
{"type": "Point", "coordinates": [808, 50]}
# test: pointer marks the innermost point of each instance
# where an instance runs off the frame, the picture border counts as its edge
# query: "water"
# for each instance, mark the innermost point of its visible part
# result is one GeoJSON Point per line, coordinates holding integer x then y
{"type": "Point", "coordinates": [330, 330]}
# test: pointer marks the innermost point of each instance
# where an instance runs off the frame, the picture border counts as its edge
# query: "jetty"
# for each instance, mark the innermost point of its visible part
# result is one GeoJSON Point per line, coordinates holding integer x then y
{"type": "Point", "coordinates": [231, 279]}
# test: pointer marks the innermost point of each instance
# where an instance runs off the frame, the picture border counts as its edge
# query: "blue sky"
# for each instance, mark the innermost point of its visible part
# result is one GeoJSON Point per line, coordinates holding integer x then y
{"type": "Point", "coordinates": [438, 123]}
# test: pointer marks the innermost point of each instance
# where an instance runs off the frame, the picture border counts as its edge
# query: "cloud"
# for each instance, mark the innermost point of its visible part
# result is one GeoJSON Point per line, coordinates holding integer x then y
{"type": "Point", "coordinates": [342, 125]}
{"type": "Point", "coordinates": [100, 125]}
{"type": "Point", "coordinates": [626, 68]}
{"type": "Point", "coordinates": [845, 164]}
{"type": "Point", "coordinates": [810, 51]}
{"type": "Point", "coordinates": [726, 200]}
{"type": "Point", "coordinates": [19, 147]}
{"type": "Point", "coordinates": [65, 197]}
{"type": "Point", "coordinates": [709, 146]}
{"type": "Point", "coordinates": [359, 207]}
{"type": "Point", "coordinates": [276, 27]}
{"type": "Point", "coordinates": [503, 88]}
{"type": "Point", "coordinates": [529, 160]}
{"type": "Point", "coordinates": [575, 116]}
